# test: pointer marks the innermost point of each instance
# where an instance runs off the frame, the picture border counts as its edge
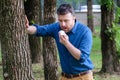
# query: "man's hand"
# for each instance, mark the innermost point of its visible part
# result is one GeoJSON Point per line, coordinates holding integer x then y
{"type": "Point", "coordinates": [63, 37]}
{"type": "Point", "coordinates": [30, 29]}
{"type": "Point", "coordinates": [26, 22]}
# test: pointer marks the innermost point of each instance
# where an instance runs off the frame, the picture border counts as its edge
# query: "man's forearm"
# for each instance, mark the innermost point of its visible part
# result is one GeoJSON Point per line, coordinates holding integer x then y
{"type": "Point", "coordinates": [73, 50]}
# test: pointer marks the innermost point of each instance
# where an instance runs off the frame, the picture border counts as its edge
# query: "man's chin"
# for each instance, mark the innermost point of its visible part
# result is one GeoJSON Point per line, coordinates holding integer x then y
{"type": "Point", "coordinates": [65, 30]}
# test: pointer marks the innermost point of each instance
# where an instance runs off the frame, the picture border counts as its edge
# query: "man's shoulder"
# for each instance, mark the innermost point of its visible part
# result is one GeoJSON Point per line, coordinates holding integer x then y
{"type": "Point", "coordinates": [81, 26]}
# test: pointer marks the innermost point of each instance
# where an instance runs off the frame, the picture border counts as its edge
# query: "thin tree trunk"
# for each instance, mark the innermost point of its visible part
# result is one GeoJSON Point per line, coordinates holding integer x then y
{"type": "Point", "coordinates": [14, 41]}
{"type": "Point", "coordinates": [90, 15]}
{"type": "Point", "coordinates": [49, 48]}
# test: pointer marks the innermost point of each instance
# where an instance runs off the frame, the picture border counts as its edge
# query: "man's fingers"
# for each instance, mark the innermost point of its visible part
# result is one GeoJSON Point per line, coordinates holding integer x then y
{"type": "Point", "coordinates": [26, 22]}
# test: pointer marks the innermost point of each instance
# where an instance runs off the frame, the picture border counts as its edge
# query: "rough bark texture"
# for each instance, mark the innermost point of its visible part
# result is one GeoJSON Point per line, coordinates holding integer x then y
{"type": "Point", "coordinates": [90, 15]}
{"type": "Point", "coordinates": [110, 61]}
{"type": "Point", "coordinates": [14, 40]}
{"type": "Point", "coordinates": [49, 48]}
{"type": "Point", "coordinates": [32, 9]}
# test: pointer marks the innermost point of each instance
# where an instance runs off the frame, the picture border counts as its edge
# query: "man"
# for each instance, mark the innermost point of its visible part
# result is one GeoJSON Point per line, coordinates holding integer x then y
{"type": "Point", "coordinates": [74, 45]}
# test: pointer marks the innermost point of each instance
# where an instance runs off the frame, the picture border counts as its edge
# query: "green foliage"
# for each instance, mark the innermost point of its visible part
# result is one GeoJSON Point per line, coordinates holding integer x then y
{"type": "Point", "coordinates": [114, 34]}
{"type": "Point", "coordinates": [108, 3]}
{"type": "Point", "coordinates": [96, 50]}
{"type": "Point", "coordinates": [117, 14]}
{"type": "Point", "coordinates": [25, 0]}
{"type": "Point", "coordinates": [114, 31]}
{"type": "Point", "coordinates": [32, 22]}
{"type": "Point", "coordinates": [116, 28]}
{"type": "Point", "coordinates": [110, 32]}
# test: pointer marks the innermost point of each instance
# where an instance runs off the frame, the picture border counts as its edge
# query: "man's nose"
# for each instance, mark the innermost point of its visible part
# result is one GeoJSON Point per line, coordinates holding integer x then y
{"type": "Point", "coordinates": [63, 23]}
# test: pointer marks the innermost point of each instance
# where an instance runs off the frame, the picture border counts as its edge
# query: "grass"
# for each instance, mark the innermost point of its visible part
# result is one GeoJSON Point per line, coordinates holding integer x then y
{"type": "Point", "coordinates": [96, 57]}
{"type": "Point", "coordinates": [96, 51]}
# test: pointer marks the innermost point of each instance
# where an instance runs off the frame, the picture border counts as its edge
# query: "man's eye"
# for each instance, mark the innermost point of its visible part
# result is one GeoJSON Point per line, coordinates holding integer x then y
{"type": "Point", "coordinates": [66, 20]}
{"type": "Point", "coordinates": [60, 20]}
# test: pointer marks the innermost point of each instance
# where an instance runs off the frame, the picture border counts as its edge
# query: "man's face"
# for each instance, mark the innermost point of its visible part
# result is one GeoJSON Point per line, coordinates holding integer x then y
{"type": "Point", "coordinates": [66, 21]}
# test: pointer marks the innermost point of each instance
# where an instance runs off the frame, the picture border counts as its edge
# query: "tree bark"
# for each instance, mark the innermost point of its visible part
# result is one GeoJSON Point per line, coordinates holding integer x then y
{"type": "Point", "coordinates": [118, 4]}
{"type": "Point", "coordinates": [90, 15]}
{"type": "Point", "coordinates": [32, 9]}
{"type": "Point", "coordinates": [49, 48]}
{"type": "Point", "coordinates": [14, 41]}
{"type": "Point", "coordinates": [110, 61]}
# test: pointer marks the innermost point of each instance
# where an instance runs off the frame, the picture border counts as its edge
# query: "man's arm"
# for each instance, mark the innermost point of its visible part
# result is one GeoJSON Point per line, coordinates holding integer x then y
{"type": "Point", "coordinates": [72, 49]}
{"type": "Point", "coordinates": [30, 29]}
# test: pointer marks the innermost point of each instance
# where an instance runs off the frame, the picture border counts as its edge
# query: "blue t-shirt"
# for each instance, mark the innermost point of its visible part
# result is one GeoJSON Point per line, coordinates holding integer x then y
{"type": "Point", "coordinates": [80, 36]}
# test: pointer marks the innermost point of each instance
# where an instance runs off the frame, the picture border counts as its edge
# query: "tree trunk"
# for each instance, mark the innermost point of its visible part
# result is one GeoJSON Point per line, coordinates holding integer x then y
{"type": "Point", "coordinates": [110, 61]}
{"type": "Point", "coordinates": [118, 4]}
{"type": "Point", "coordinates": [14, 41]}
{"type": "Point", "coordinates": [49, 48]}
{"type": "Point", "coordinates": [32, 9]}
{"type": "Point", "coordinates": [90, 15]}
